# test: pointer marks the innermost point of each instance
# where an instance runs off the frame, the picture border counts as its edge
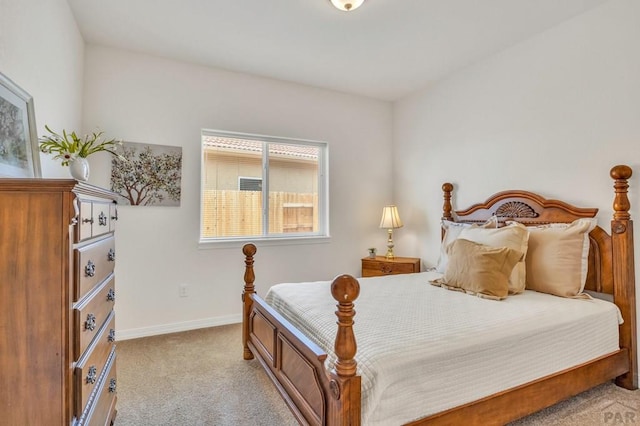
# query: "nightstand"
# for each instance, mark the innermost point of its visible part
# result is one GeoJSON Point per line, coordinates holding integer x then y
{"type": "Point", "coordinates": [380, 265]}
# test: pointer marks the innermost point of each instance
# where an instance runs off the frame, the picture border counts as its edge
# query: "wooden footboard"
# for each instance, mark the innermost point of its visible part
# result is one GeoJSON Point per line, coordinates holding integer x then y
{"type": "Point", "coordinates": [512, 404]}
{"type": "Point", "coordinates": [296, 365]}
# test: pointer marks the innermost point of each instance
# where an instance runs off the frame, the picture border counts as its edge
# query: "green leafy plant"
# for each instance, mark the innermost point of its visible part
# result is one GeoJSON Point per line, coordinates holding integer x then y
{"type": "Point", "coordinates": [68, 146]}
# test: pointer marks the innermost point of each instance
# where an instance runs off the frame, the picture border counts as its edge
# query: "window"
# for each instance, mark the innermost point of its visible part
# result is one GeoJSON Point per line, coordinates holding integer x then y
{"type": "Point", "coordinates": [249, 184]}
{"type": "Point", "coordinates": [262, 187]}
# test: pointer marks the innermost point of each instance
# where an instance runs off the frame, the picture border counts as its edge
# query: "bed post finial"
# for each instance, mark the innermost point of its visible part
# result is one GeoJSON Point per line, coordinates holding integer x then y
{"type": "Point", "coordinates": [446, 207]}
{"type": "Point", "coordinates": [345, 385]}
{"type": "Point", "coordinates": [249, 277]}
{"type": "Point", "coordinates": [621, 204]}
{"type": "Point", "coordinates": [345, 289]}
{"type": "Point", "coordinates": [624, 288]}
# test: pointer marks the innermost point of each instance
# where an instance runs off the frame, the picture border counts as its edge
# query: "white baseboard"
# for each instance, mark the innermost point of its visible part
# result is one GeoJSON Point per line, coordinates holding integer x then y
{"type": "Point", "coordinates": [155, 330]}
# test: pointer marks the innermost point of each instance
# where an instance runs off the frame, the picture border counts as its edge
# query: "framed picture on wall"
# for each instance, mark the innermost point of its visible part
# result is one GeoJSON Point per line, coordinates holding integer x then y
{"type": "Point", "coordinates": [19, 153]}
{"type": "Point", "coordinates": [147, 175]}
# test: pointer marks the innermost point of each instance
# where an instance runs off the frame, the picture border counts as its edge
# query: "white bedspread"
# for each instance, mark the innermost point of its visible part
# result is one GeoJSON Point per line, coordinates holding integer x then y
{"type": "Point", "coordinates": [423, 349]}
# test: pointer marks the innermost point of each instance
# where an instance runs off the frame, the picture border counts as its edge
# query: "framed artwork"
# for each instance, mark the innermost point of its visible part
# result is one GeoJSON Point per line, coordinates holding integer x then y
{"type": "Point", "coordinates": [19, 153]}
{"type": "Point", "coordinates": [147, 175]}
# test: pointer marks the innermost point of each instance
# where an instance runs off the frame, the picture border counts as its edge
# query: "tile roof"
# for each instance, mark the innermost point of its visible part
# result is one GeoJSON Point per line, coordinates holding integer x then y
{"type": "Point", "coordinates": [308, 152]}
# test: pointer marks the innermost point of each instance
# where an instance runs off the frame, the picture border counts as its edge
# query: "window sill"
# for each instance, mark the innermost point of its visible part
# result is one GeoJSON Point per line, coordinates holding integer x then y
{"type": "Point", "coordinates": [261, 241]}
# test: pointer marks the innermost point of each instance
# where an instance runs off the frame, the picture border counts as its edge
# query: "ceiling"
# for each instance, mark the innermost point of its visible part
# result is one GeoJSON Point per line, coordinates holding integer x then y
{"type": "Point", "coordinates": [386, 49]}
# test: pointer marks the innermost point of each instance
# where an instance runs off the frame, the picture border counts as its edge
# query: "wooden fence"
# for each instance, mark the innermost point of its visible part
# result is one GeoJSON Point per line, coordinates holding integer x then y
{"type": "Point", "coordinates": [237, 213]}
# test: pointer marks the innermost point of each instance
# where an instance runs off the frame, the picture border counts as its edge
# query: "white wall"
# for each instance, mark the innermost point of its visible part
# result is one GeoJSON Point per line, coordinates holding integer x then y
{"type": "Point", "coordinates": [152, 100]}
{"type": "Point", "coordinates": [41, 50]}
{"type": "Point", "coordinates": [551, 115]}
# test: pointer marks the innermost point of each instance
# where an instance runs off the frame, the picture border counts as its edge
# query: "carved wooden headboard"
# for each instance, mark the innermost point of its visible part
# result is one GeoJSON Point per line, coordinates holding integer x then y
{"type": "Point", "coordinates": [611, 256]}
{"type": "Point", "coordinates": [532, 209]}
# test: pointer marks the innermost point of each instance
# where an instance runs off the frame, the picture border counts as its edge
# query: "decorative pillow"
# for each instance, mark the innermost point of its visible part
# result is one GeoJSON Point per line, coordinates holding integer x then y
{"type": "Point", "coordinates": [510, 236]}
{"type": "Point", "coordinates": [558, 256]}
{"type": "Point", "coordinates": [479, 269]}
{"type": "Point", "coordinates": [452, 231]}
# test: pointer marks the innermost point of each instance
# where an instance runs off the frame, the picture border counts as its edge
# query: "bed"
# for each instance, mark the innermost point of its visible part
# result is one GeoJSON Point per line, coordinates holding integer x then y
{"type": "Point", "coordinates": [328, 382]}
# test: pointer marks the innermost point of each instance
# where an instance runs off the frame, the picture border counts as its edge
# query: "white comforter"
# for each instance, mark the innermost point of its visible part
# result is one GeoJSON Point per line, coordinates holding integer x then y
{"type": "Point", "coordinates": [423, 349]}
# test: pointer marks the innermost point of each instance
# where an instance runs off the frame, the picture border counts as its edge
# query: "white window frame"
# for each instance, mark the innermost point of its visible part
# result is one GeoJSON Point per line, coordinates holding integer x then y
{"type": "Point", "coordinates": [321, 236]}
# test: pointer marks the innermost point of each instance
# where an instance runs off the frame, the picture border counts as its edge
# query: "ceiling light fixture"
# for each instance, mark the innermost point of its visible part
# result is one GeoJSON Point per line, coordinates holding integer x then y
{"type": "Point", "coordinates": [347, 5]}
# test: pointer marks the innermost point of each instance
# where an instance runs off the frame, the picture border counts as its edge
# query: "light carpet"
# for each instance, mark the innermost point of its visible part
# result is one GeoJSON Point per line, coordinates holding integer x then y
{"type": "Point", "coordinates": [199, 378]}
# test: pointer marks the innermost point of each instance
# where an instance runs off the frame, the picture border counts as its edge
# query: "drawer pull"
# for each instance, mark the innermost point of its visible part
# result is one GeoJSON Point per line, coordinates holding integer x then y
{"type": "Point", "coordinates": [112, 385]}
{"type": "Point", "coordinates": [111, 295]}
{"type": "Point", "coordinates": [90, 269]}
{"type": "Point", "coordinates": [115, 217]}
{"type": "Point", "coordinates": [102, 219]}
{"type": "Point", "coordinates": [90, 323]}
{"type": "Point", "coordinates": [87, 220]}
{"type": "Point", "coordinates": [92, 375]}
{"type": "Point", "coordinates": [111, 256]}
{"type": "Point", "coordinates": [112, 335]}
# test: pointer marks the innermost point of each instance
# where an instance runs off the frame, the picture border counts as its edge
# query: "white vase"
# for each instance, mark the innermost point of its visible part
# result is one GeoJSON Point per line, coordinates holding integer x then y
{"type": "Point", "coordinates": [79, 169]}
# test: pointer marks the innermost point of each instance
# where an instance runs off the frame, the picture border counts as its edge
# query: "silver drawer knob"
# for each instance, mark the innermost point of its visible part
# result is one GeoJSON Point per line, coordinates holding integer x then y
{"type": "Point", "coordinates": [90, 323]}
{"type": "Point", "coordinates": [102, 219]}
{"type": "Point", "coordinates": [92, 375]}
{"type": "Point", "coordinates": [90, 269]}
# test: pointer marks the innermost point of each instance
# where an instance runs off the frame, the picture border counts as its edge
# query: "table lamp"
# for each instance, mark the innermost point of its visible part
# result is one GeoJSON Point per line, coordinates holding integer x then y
{"type": "Point", "coordinates": [390, 220]}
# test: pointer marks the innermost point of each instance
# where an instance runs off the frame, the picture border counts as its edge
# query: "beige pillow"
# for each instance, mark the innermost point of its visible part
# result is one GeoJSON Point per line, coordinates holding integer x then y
{"type": "Point", "coordinates": [479, 269]}
{"type": "Point", "coordinates": [511, 236]}
{"type": "Point", "coordinates": [558, 257]}
{"type": "Point", "coordinates": [452, 231]}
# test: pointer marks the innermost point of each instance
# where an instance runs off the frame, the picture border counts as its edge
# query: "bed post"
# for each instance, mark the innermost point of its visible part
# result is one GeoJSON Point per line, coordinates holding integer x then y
{"type": "Point", "coordinates": [623, 272]}
{"type": "Point", "coordinates": [345, 387]}
{"type": "Point", "coordinates": [249, 277]}
{"type": "Point", "coordinates": [446, 207]}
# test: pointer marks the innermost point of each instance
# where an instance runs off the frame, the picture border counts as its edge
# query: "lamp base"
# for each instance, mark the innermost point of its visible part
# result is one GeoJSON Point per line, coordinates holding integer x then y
{"type": "Point", "coordinates": [390, 254]}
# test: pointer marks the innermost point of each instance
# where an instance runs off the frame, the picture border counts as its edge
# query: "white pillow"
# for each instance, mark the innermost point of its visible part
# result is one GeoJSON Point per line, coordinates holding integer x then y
{"type": "Point", "coordinates": [558, 257]}
{"type": "Point", "coordinates": [451, 232]}
{"type": "Point", "coordinates": [511, 236]}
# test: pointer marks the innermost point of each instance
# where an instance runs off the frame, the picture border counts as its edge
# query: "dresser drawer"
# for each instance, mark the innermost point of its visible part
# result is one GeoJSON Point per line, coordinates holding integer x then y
{"type": "Point", "coordinates": [101, 214]}
{"type": "Point", "coordinates": [95, 219]}
{"type": "Point", "coordinates": [102, 407]}
{"type": "Point", "coordinates": [94, 262]}
{"type": "Point", "coordinates": [84, 220]}
{"type": "Point", "coordinates": [90, 315]}
{"type": "Point", "coordinates": [92, 364]}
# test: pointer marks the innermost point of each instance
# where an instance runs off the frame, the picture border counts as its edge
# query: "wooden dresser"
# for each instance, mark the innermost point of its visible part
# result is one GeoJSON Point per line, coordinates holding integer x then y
{"type": "Point", "coordinates": [380, 265]}
{"type": "Point", "coordinates": [57, 291]}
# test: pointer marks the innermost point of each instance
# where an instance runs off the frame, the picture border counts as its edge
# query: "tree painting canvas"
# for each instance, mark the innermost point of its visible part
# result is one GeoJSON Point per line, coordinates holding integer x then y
{"type": "Point", "coordinates": [147, 175]}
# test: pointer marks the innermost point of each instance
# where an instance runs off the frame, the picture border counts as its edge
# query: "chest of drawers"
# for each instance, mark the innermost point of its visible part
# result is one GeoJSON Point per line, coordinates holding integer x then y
{"type": "Point", "coordinates": [57, 293]}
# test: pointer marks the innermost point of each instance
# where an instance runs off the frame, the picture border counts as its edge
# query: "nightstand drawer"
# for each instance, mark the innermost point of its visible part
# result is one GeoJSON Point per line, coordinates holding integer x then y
{"type": "Point", "coordinates": [380, 266]}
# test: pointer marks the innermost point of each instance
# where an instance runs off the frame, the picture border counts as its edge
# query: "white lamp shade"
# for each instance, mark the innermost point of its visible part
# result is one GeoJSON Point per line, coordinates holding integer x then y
{"type": "Point", "coordinates": [347, 5]}
{"type": "Point", "coordinates": [390, 218]}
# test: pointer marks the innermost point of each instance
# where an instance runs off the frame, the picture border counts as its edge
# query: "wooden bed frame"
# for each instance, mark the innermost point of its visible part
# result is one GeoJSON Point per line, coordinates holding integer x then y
{"type": "Point", "coordinates": [318, 397]}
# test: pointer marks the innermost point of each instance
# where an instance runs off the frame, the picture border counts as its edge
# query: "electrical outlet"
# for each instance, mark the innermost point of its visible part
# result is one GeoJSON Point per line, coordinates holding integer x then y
{"type": "Point", "coordinates": [183, 290]}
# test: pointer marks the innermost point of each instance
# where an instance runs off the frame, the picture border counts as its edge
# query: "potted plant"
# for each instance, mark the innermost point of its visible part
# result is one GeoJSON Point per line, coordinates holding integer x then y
{"type": "Point", "coordinates": [73, 150]}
